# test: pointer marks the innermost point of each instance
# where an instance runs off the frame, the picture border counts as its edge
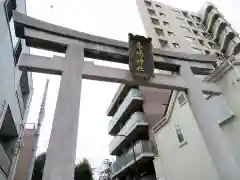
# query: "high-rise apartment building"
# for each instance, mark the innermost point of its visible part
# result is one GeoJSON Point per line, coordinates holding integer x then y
{"type": "Point", "coordinates": [176, 30]}
{"type": "Point", "coordinates": [163, 118]}
{"type": "Point", "coordinates": [15, 87]}
{"type": "Point", "coordinates": [182, 152]}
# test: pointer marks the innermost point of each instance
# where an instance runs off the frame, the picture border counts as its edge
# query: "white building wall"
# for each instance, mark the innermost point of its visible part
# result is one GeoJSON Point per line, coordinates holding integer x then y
{"type": "Point", "coordinates": [187, 161]}
{"type": "Point", "coordinates": [231, 128]}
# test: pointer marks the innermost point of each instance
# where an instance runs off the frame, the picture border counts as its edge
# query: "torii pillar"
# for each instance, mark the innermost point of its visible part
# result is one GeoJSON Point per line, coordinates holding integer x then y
{"type": "Point", "coordinates": [61, 153]}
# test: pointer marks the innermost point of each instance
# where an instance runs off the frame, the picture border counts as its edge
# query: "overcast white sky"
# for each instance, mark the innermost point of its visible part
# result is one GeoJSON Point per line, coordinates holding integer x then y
{"type": "Point", "coordinates": [108, 18]}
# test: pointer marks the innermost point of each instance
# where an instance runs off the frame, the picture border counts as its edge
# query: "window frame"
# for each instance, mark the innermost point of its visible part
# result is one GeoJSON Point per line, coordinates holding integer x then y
{"type": "Point", "coordinates": [189, 38]}
{"type": "Point", "coordinates": [171, 34]}
{"type": "Point", "coordinates": [162, 14]}
{"type": "Point", "coordinates": [164, 41]}
{"type": "Point", "coordinates": [151, 12]}
{"type": "Point", "coordinates": [165, 23]}
{"type": "Point", "coordinates": [186, 28]}
{"type": "Point", "coordinates": [197, 50]}
{"type": "Point", "coordinates": [176, 45]}
{"type": "Point", "coordinates": [17, 51]}
{"type": "Point", "coordinates": [160, 30]}
{"type": "Point", "coordinates": [147, 3]}
{"type": "Point", "coordinates": [153, 19]}
{"type": "Point", "coordinates": [195, 32]}
{"type": "Point", "coordinates": [180, 135]}
{"type": "Point", "coordinates": [9, 6]}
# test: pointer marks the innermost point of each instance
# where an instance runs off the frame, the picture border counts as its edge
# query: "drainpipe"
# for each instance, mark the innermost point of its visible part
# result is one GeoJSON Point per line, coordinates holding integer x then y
{"type": "Point", "coordinates": [37, 132]}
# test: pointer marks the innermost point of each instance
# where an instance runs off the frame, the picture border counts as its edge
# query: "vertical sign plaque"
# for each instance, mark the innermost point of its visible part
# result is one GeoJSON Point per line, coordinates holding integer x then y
{"type": "Point", "coordinates": [140, 57]}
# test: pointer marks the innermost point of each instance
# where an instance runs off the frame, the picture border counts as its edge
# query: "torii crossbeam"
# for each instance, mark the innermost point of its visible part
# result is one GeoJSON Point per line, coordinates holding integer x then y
{"type": "Point", "coordinates": [60, 161]}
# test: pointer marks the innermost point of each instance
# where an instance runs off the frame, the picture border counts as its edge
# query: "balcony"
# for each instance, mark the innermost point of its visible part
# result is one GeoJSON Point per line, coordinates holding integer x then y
{"type": "Point", "coordinates": [213, 15]}
{"type": "Point", "coordinates": [5, 161]}
{"type": "Point", "coordinates": [118, 98]}
{"type": "Point", "coordinates": [125, 163]}
{"type": "Point", "coordinates": [135, 128]}
{"type": "Point", "coordinates": [225, 37]}
{"type": "Point", "coordinates": [218, 27]}
{"type": "Point", "coordinates": [131, 103]}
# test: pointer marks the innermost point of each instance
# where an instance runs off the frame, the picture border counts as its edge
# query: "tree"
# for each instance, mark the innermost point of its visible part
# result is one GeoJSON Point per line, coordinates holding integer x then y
{"type": "Point", "coordinates": [38, 167]}
{"type": "Point", "coordinates": [105, 174]}
{"type": "Point", "coordinates": [83, 171]}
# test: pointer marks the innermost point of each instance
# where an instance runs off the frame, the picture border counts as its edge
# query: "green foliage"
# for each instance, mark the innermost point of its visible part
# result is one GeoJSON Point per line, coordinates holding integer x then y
{"type": "Point", "coordinates": [38, 167]}
{"type": "Point", "coordinates": [83, 170]}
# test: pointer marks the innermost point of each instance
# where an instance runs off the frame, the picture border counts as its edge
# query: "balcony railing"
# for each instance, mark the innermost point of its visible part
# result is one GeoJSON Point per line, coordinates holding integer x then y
{"type": "Point", "coordinates": [123, 111]}
{"type": "Point", "coordinates": [5, 161]}
{"type": "Point", "coordinates": [138, 119]}
{"type": "Point", "coordinates": [143, 150]}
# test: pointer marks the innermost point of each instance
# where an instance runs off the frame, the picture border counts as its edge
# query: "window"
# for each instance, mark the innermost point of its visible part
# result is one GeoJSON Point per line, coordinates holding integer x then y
{"type": "Point", "coordinates": [13, 35]}
{"type": "Point", "coordinates": [201, 42]}
{"type": "Point", "coordinates": [17, 51]}
{"type": "Point", "coordinates": [157, 5]}
{"type": "Point", "coordinates": [179, 133]}
{"type": "Point", "coordinates": [212, 45]}
{"type": "Point", "coordinates": [165, 23]}
{"type": "Point", "coordinates": [195, 32]}
{"type": "Point", "coordinates": [198, 19]}
{"type": "Point", "coordinates": [196, 50]}
{"type": "Point", "coordinates": [163, 43]}
{"type": "Point", "coordinates": [9, 6]}
{"type": "Point", "coordinates": [151, 12]}
{"type": "Point", "coordinates": [176, 45]}
{"type": "Point", "coordinates": [181, 20]}
{"type": "Point", "coordinates": [185, 29]}
{"type": "Point", "coordinates": [162, 14]}
{"type": "Point", "coordinates": [200, 26]}
{"type": "Point", "coordinates": [185, 13]}
{"type": "Point", "coordinates": [206, 35]}
{"type": "Point", "coordinates": [220, 56]}
{"type": "Point", "coordinates": [190, 23]}
{"type": "Point", "coordinates": [181, 99]}
{"type": "Point", "coordinates": [171, 33]}
{"type": "Point", "coordinates": [159, 32]}
{"type": "Point", "coordinates": [191, 39]}
{"type": "Point", "coordinates": [206, 52]}
{"type": "Point", "coordinates": [148, 3]}
{"type": "Point", "coordinates": [176, 11]}
{"type": "Point", "coordinates": [2, 106]}
{"type": "Point", "coordinates": [24, 88]}
{"type": "Point", "coordinates": [155, 21]}
{"type": "Point", "coordinates": [8, 138]}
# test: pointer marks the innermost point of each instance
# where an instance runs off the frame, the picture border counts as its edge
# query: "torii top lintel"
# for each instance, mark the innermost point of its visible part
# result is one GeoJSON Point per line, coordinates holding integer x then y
{"type": "Point", "coordinates": [51, 37]}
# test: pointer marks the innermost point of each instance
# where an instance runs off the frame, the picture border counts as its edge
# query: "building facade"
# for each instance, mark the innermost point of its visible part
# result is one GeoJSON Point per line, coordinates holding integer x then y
{"type": "Point", "coordinates": [132, 143]}
{"type": "Point", "coordinates": [16, 87]}
{"type": "Point", "coordinates": [182, 152]}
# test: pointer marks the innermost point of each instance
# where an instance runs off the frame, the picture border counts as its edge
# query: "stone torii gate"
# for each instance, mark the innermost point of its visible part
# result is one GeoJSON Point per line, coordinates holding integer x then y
{"type": "Point", "coordinates": [60, 161]}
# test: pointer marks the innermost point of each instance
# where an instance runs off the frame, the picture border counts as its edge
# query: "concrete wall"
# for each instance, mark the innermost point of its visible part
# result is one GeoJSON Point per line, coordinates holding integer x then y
{"type": "Point", "coordinates": [186, 161]}
{"type": "Point", "coordinates": [231, 91]}
{"type": "Point", "coordinates": [154, 106]}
